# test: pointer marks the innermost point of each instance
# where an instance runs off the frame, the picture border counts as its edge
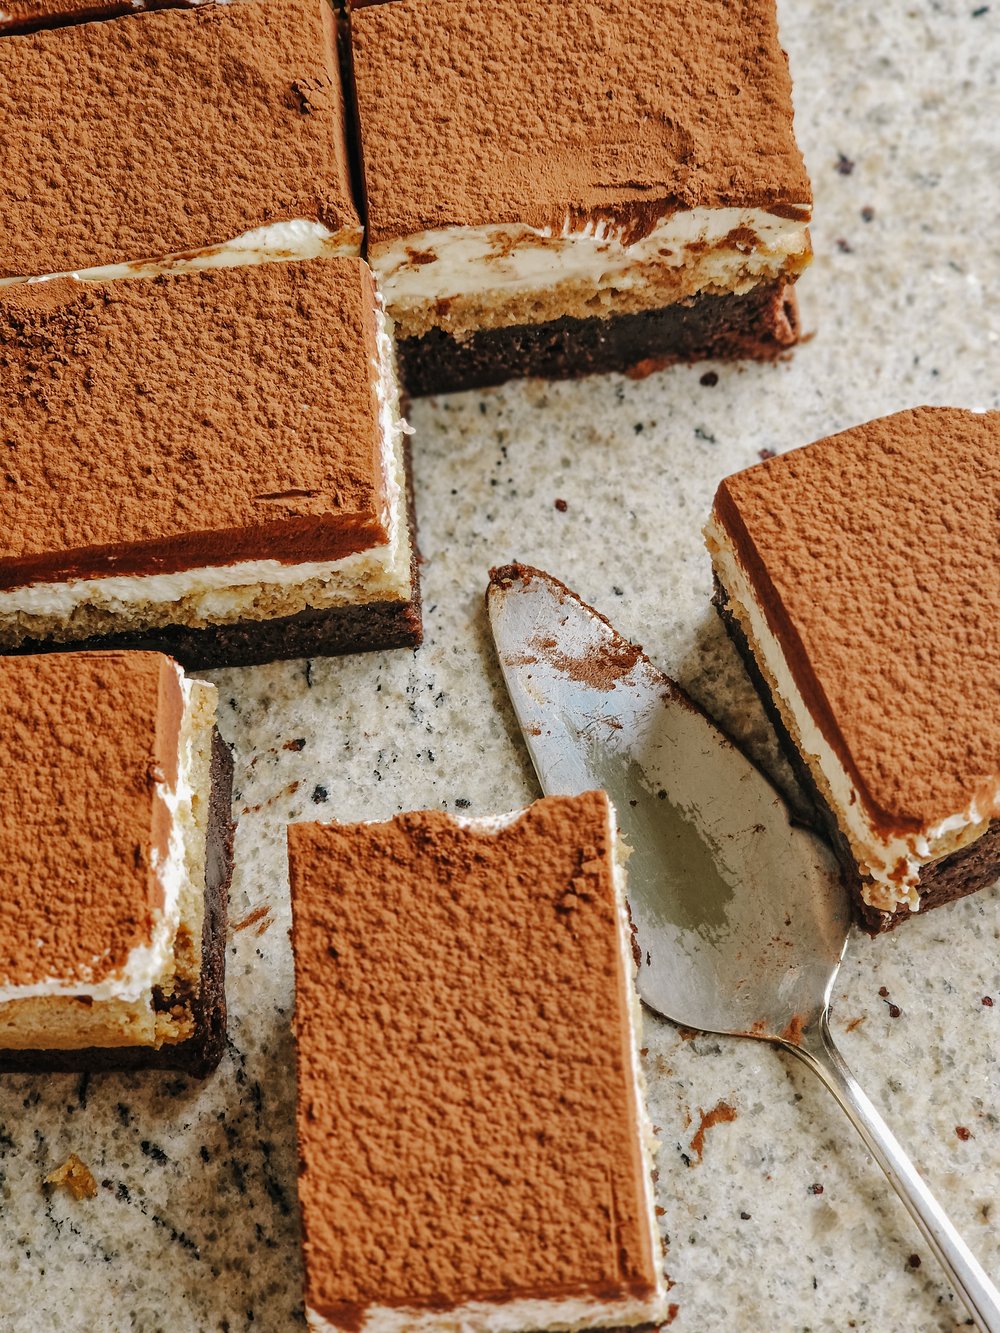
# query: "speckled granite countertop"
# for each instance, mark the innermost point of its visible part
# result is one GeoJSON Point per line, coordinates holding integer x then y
{"type": "Point", "coordinates": [782, 1222]}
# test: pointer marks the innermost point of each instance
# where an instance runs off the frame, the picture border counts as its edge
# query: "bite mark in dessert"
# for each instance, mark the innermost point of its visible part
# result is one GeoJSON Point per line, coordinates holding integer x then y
{"type": "Point", "coordinates": [117, 855]}
{"type": "Point", "coordinates": [472, 1135]}
{"type": "Point", "coordinates": [174, 139]}
{"type": "Point", "coordinates": [563, 188]}
{"type": "Point", "coordinates": [860, 577]}
{"type": "Point", "coordinates": [211, 465]}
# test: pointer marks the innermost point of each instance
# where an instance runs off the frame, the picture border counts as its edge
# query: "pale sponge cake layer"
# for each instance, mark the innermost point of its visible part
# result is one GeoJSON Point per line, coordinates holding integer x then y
{"type": "Point", "coordinates": [468, 1075]}
{"type": "Point", "coordinates": [467, 278]}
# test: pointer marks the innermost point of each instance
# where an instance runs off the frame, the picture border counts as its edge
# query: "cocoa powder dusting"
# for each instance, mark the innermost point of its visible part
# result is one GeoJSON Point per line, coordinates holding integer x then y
{"type": "Point", "coordinates": [168, 132]}
{"type": "Point", "coordinates": [720, 1114]}
{"type": "Point", "coordinates": [446, 1008]}
{"type": "Point", "coordinates": [648, 106]}
{"type": "Point", "coordinates": [603, 670]}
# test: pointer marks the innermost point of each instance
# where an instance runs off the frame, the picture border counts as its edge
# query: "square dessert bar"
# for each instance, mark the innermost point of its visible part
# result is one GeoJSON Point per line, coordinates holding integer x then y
{"type": "Point", "coordinates": [210, 465]}
{"type": "Point", "coordinates": [860, 578]}
{"type": "Point", "coordinates": [117, 854]}
{"type": "Point", "coordinates": [201, 137]}
{"type": "Point", "coordinates": [554, 189]}
{"type": "Point", "coordinates": [473, 1141]}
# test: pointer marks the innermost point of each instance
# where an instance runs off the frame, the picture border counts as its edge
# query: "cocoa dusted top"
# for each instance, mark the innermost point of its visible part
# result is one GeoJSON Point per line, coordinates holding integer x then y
{"type": "Point", "coordinates": [168, 132]}
{"type": "Point", "coordinates": [875, 555]}
{"type": "Point", "coordinates": [476, 113]}
{"type": "Point", "coordinates": [86, 742]}
{"type": "Point", "coordinates": [157, 425]}
{"type": "Point", "coordinates": [467, 1120]}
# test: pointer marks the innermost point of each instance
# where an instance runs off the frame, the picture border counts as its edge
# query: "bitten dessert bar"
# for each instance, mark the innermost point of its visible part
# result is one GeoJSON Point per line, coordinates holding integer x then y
{"type": "Point", "coordinates": [211, 465]}
{"type": "Point", "coordinates": [858, 578]}
{"type": "Point", "coordinates": [557, 189]}
{"type": "Point", "coordinates": [174, 139]}
{"type": "Point", "coordinates": [117, 854]}
{"type": "Point", "coordinates": [473, 1141]}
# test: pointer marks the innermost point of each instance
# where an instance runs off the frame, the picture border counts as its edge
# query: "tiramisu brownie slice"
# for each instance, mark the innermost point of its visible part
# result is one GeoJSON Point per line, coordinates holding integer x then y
{"type": "Point", "coordinates": [209, 464]}
{"type": "Point", "coordinates": [473, 1141]}
{"type": "Point", "coordinates": [210, 136]}
{"type": "Point", "coordinates": [117, 851]}
{"type": "Point", "coordinates": [561, 188]}
{"type": "Point", "coordinates": [861, 579]}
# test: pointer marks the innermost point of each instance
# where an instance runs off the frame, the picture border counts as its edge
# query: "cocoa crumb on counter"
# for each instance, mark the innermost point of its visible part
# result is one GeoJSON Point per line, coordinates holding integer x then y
{"type": "Point", "coordinates": [75, 1176]}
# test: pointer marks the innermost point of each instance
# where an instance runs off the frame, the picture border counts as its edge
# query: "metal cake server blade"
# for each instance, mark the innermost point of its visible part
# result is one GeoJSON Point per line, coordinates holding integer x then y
{"type": "Point", "coordinates": [740, 918]}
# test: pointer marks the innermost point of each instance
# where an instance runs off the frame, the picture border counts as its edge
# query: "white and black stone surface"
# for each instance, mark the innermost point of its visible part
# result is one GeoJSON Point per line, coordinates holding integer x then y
{"type": "Point", "coordinates": [782, 1222]}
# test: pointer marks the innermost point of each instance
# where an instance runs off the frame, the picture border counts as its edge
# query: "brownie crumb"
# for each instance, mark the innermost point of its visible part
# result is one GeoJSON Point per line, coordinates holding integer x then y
{"type": "Point", "coordinates": [845, 165]}
{"type": "Point", "coordinates": [710, 379]}
{"type": "Point", "coordinates": [964, 1134]}
{"type": "Point", "coordinates": [76, 1176]}
{"type": "Point", "coordinates": [988, 1001]}
{"type": "Point", "coordinates": [745, 1217]}
{"type": "Point", "coordinates": [462, 802]}
{"type": "Point", "coordinates": [894, 1011]}
{"type": "Point", "coordinates": [562, 506]}
{"type": "Point", "coordinates": [320, 794]}
{"type": "Point", "coordinates": [765, 454]}
{"type": "Point", "coordinates": [298, 744]}
{"type": "Point", "coordinates": [816, 1189]}
{"type": "Point", "coordinates": [883, 991]}
{"type": "Point", "coordinates": [844, 245]}
{"type": "Point", "coordinates": [867, 213]}
{"type": "Point", "coordinates": [913, 1261]}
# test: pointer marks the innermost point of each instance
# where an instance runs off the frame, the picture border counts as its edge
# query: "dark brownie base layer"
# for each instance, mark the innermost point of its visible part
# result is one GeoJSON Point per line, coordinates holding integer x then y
{"type": "Point", "coordinates": [331, 633]}
{"type": "Point", "coordinates": [202, 1051]}
{"type": "Point", "coordinates": [963, 872]}
{"type": "Point", "coordinates": [760, 325]}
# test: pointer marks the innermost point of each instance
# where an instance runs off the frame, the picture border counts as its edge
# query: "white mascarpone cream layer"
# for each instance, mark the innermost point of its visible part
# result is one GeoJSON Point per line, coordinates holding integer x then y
{"type": "Point", "coordinates": [148, 963]}
{"type": "Point", "coordinates": [217, 592]}
{"type": "Point", "coordinates": [893, 860]}
{"type": "Point", "coordinates": [565, 1314]}
{"type": "Point", "coordinates": [466, 261]}
{"type": "Point", "coordinates": [299, 238]}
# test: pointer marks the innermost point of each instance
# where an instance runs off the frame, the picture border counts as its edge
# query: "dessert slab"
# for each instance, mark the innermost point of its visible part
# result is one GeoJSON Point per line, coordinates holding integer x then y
{"type": "Point", "coordinates": [194, 1224]}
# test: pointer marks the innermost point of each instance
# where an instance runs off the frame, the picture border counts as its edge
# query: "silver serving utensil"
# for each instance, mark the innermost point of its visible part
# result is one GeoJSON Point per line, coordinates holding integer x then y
{"type": "Point", "coordinates": [741, 919]}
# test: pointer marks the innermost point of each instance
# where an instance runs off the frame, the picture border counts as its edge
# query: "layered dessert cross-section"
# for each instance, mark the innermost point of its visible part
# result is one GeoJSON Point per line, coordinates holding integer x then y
{"type": "Point", "coordinates": [473, 1140]}
{"type": "Point", "coordinates": [211, 465]}
{"type": "Point", "coordinates": [557, 189]}
{"type": "Point", "coordinates": [117, 855]}
{"type": "Point", "coordinates": [175, 139]}
{"type": "Point", "coordinates": [860, 578]}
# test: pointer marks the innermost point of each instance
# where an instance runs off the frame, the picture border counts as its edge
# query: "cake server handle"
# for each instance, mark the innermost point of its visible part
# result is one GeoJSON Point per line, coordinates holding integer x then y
{"type": "Point", "coordinates": [816, 1049]}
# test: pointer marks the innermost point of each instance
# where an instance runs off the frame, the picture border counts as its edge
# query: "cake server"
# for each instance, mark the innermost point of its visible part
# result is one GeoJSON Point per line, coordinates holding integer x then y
{"type": "Point", "coordinates": [740, 918]}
